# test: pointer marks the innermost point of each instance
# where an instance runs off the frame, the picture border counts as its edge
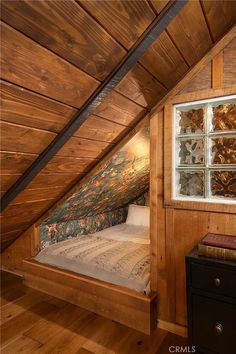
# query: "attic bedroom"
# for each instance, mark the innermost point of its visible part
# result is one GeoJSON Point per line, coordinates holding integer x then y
{"type": "Point", "coordinates": [118, 176]}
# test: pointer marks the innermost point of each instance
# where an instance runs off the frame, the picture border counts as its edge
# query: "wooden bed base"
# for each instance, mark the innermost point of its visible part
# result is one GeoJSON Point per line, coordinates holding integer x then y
{"type": "Point", "coordinates": [123, 305]}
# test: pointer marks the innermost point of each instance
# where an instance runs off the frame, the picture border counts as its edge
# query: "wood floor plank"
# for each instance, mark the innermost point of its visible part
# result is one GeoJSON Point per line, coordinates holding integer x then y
{"type": "Point", "coordinates": [22, 345]}
{"type": "Point", "coordinates": [70, 339]}
{"type": "Point", "coordinates": [46, 329]}
{"type": "Point", "coordinates": [24, 321]}
{"type": "Point", "coordinates": [22, 304]}
{"type": "Point", "coordinates": [53, 326]}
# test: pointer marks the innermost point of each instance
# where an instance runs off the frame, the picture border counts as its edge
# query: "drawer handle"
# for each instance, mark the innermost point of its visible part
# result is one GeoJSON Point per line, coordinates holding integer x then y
{"type": "Point", "coordinates": [218, 329]}
{"type": "Point", "coordinates": [217, 282]}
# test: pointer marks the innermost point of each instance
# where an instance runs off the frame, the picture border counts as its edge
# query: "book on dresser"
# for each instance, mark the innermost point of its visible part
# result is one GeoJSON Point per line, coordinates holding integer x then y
{"type": "Point", "coordinates": [218, 246]}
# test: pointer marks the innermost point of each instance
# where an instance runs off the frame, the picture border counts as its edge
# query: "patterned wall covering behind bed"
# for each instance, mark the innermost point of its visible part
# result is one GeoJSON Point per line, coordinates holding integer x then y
{"type": "Point", "coordinates": [101, 202]}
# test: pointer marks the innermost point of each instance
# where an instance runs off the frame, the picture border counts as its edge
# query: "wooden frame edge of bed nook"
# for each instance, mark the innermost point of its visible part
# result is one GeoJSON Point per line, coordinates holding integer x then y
{"type": "Point", "coordinates": [115, 302]}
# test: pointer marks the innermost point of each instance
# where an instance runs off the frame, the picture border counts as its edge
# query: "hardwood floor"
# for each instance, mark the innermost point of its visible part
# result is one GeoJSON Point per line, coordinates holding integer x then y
{"type": "Point", "coordinates": [36, 323]}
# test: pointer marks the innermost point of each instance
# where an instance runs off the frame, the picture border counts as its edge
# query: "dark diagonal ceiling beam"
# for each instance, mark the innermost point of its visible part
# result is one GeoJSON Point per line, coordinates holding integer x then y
{"type": "Point", "coordinates": [130, 59]}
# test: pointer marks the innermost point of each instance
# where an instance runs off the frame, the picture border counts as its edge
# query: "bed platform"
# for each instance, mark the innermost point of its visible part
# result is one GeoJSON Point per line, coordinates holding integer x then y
{"type": "Point", "coordinates": [115, 302]}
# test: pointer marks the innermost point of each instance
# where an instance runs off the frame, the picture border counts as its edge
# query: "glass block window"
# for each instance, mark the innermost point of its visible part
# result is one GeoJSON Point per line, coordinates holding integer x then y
{"type": "Point", "coordinates": [204, 150]}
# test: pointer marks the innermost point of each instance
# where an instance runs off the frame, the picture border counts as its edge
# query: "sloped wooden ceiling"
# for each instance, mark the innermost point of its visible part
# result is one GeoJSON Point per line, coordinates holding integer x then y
{"type": "Point", "coordinates": [55, 54]}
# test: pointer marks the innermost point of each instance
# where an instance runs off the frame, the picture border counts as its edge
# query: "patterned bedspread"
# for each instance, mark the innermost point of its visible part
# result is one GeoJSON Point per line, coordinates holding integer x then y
{"type": "Point", "coordinates": [123, 263]}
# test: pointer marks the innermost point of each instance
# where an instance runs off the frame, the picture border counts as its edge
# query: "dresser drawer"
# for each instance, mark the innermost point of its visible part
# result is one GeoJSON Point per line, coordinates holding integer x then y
{"type": "Point", "coordinates": [214, 279]}
{"type": "Point", "coordinates": [214, 325]}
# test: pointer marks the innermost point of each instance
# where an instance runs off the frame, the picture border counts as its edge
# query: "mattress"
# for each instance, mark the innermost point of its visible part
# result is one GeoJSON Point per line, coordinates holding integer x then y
{"type": "Point", "coordinates": [119, 255]}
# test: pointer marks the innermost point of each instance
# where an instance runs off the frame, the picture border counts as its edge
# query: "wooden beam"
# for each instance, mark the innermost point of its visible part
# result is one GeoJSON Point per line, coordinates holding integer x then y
{"type": "Point", "coordinates": [130, 59]}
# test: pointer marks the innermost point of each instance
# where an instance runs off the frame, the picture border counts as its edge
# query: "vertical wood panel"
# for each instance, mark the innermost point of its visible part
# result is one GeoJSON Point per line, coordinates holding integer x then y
{"type": "Point", "coordinates": [171, 265]}
{"type": "Point", "coordinates": [158, 217]}
{"type": "Point", "coordinates": [217, 71]}
{"type": "Point", "coordinates": [230, 64]}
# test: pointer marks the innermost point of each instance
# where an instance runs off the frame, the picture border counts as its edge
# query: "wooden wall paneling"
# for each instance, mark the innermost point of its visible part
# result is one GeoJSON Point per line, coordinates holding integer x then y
{"type": "Point", "coordinates": [217, 71]}
{"type": "Point", "coordinates": [220, 45]}
{"type": "Point", "coordinates": [24, 107]}
{"type": "Point", "coordinates": [153, 31]}
{"type": "Point", "coordinates": [15, 162]}
{"type": "Point", "coordinates": [153, 202]}
{"type": "Point", "coordinates": [159, 4]}
{"type": "Point", "coordinates": [43, 180]}
{"type": "Point", "coordinates": [190, 228]}
{"type": "Point", "coordinates": [9, 236]}
{"type": "Point", "coordinates": [64, 83]}
{"type": "Point", "coordinates": [124, 20]}
{"type": "Point", "coordinates": [19, 138]}
{"type": "Point", "coordinates": [80, 147]}
{"type": "Point", "coordinates": [7, 180]}
{"type": "Point", "coordinates": [119, 109]}
{"type": "Point", "coordinates": [8, 224]}
{"type": "Point", "coordinates": [201, 81]}
{"type": "Point", "coordinates": [172, 293]}
{"type": "Point", "coordinates": [229, 58]}
{"type": "Point", "coordinates": [66, 29]}
{"type": "Point", "coordinates": [203, 94]}
{"type": "Point", "coordinates": [30, 208]}
{"type": "Point", "coordinates": [30, 195]}
{"type": "Point", "coordinates": [100, 129]}
{"type": "Point", "coordinates": [167, 153]}
{"type": "Point", "coordinates": [24, 247]}
{"type": "Point", "coordinates": [158, 215]}
{"type": "Point", "coordinates": [68, 164]}
{"type": "Point", "coordinates": [221, 15]}
{"type": "Point", "coordinates": [164, 61]}
{"type": "Point", "coordinates": [141, 87]}
{"type": "Point", "coordinates": [190, 33]}
{"type": "Point", "coordinates": [11, 226]}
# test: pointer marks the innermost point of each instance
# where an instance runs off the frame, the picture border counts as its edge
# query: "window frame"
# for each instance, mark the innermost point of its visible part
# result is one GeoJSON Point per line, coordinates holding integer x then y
{"type": "Point", "coordinates": [207, 167]}
{"type": "Point", "coordinates": [170, 200]}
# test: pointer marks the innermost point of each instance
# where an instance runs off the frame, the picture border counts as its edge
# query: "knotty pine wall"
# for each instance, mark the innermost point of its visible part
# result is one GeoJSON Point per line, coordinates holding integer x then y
{"type": "Point", "coordinates": [178, 230]}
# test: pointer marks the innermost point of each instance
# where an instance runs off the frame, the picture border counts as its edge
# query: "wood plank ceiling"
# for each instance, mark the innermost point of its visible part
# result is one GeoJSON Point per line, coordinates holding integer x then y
{"type": "Point", "coordinates": [55, 54]}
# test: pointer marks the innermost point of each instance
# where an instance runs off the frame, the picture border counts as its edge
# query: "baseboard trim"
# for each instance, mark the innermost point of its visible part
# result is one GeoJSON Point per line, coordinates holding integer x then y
{"type": "Point", "coordinates": [173, 328]}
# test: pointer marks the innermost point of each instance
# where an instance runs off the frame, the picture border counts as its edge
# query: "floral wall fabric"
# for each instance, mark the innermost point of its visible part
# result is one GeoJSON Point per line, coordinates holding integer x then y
{"type": "Point", "coordinates": [60, 231]}
{"type": "Point", "coordinates": [102, 201]}
{"type": "Point", "coordinates": [122, 179]}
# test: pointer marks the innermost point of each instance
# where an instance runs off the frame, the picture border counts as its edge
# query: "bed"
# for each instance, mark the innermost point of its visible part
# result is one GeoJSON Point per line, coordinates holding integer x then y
{"type": "Point", "coordinates": [107, 272]}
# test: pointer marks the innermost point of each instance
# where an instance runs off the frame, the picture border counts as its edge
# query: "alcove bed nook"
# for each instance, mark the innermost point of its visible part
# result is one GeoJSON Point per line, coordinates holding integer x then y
{"type": "Point", "coordinates": [94, 248]}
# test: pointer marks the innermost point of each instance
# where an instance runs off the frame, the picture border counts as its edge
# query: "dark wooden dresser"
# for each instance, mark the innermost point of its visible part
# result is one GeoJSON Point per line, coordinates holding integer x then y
{"type": "Point", "coordinates": [211, 297]}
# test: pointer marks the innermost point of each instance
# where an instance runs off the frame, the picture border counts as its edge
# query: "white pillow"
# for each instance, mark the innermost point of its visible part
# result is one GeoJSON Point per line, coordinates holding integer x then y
{"type": "Point", "coordinates": [138, 215]}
